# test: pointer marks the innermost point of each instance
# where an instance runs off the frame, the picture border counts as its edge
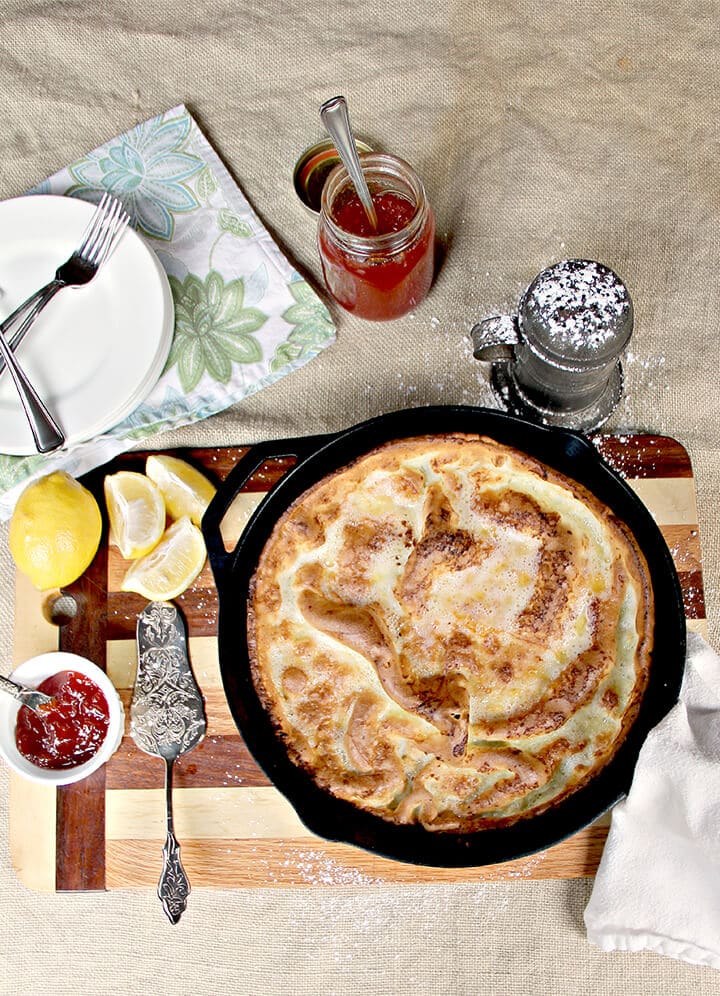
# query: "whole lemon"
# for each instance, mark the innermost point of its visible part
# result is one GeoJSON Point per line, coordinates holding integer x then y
{"type": "Point", "coordinates": [55, 530]}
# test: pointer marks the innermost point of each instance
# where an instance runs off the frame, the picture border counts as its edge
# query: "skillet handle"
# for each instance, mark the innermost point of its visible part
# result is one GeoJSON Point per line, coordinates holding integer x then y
{"type": "Point", "coordinates": [241, 473]}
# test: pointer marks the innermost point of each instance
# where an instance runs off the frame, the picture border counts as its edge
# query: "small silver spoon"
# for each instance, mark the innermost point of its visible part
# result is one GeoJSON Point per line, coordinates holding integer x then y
{"type": "Point", "coordinates": [336, 119]}
{"type": "Point", "coordinates": [29, 697]}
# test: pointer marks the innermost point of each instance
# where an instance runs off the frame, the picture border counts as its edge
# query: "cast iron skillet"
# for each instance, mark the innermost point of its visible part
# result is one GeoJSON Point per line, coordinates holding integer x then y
{"type": "Point", "coordinates": [335, 819]}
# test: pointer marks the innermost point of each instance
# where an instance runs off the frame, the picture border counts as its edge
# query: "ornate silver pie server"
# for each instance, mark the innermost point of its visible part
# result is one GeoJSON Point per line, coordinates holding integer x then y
{"type": "Point", "coordinates": [167, 719]}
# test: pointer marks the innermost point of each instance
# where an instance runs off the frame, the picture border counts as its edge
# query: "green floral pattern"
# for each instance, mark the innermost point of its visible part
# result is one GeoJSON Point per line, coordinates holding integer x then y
{"type": "Point", "coordinates": [312, 327]}
{"type": "Point", "coordinates": [15, 469]}
{"type": "Point", "coordinates": [206, 185]}
{"type": "Point", "coordinates": [229, 222]}
{"type": "Point", "coordinates": [213, 329]}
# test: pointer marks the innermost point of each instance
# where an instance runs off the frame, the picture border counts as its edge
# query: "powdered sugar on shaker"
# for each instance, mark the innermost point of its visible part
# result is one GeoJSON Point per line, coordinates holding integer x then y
{"type": "Point", "coordinates": [581, 307]}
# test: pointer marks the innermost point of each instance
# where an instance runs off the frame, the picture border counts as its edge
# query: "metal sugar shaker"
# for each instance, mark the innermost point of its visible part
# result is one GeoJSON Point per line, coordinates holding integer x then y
{"type": "Point", "coordinates": [558, 360]}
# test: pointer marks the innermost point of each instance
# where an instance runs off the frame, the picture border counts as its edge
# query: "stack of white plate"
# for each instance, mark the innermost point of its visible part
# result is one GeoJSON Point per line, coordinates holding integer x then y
{"type": "Point", "coordinates": [95, 352]}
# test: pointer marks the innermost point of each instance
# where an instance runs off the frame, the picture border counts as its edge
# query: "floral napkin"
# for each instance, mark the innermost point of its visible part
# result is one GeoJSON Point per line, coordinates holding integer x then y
{"type": "Point", "coordinates": [243, 316]}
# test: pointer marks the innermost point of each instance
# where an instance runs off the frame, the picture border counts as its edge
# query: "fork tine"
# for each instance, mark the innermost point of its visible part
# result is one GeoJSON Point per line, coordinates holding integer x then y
{"type": "Point", "coordinates": [94, 223]}
{"type": "Point", "coordinates": [120, 225]}
{"type": "Point", "coordinates": [99, 239]}
{"type": "Point", "coordinates": [115, 225]}
{"type": "Point", "coordinates": [112, 209]}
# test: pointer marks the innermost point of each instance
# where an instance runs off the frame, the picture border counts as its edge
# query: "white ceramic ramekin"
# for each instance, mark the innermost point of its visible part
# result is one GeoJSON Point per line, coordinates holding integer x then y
{"type": "Point", "coordinates": [31, 673]}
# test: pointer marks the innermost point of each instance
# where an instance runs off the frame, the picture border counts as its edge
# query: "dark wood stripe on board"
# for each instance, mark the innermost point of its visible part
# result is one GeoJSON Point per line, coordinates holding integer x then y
{"type": "Point", "coordinates": [217, 762]}
{"type": "Point", "coordinates": [217, 463]}
{"type": "Point", "coordinates": [80, 820]}
{"type": "Point", "coordinates": [644, 455]}
{"type": "Point", "coordinates": [199, 607]}
{"type": "Point", "coordinates": [693, 594]}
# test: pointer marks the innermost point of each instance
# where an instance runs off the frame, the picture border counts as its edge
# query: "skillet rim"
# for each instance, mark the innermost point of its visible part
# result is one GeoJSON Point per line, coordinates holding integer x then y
{"type": "Point", "coordinates": [337, 820]}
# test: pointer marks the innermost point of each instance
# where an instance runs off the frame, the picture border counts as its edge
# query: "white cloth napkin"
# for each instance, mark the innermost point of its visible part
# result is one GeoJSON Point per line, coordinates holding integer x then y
{"type": "Point", "coordinates": [658, 884]}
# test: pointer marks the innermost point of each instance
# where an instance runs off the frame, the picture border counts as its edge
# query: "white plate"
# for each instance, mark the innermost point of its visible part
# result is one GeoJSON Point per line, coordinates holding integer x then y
{"type": "Point", "coordinates": [96, 351]}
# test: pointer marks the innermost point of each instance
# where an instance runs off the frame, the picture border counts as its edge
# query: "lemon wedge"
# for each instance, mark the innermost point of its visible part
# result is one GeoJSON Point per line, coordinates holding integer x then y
{"type": "Point", "coordinates": [171, 567]}
{"type": "Point", "coordinates": [54, 530]}
{"type": "Point", "coordinates": [185, 489]}
{"type": "Point", "coordinates": [136, 511]}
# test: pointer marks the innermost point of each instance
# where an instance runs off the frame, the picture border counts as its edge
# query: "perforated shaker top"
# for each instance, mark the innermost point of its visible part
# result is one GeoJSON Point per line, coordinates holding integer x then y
{"type": "Point", "coordinates": [578, 310]}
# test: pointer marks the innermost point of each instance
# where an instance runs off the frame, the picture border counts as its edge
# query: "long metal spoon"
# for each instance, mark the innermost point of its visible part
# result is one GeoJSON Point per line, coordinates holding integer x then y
{"type": "Point", "coordinates": [29, 697]}
{"type": "Point", "coordinates": [336, 119]}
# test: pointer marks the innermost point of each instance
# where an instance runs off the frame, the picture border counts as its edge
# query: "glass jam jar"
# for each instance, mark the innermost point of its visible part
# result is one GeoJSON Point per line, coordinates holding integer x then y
{"type": "Point", "coordinates": [385, 273]}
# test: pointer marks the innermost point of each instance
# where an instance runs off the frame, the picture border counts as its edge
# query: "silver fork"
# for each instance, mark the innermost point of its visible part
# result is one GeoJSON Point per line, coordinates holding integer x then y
{"type": "Point", "coordinates": [46, 432]}
{"type": "Point", "coordinates": [99, 239]}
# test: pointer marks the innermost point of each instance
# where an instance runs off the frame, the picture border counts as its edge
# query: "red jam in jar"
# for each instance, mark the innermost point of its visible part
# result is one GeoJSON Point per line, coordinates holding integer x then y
{"type": "Point", "coordinates": [383, 273]}
{"type": "Point", "coordinates": [71, 728]}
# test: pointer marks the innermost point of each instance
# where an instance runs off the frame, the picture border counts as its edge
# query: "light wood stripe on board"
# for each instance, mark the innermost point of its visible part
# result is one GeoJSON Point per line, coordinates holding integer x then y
{"type": "Point", "coordinates": [243, 813]}
{"type": "Point", "coordinates": [32, 836]}
{"type": "Point", "coordinates": [671, 500]}
{"type": "Point", "coordinates": [265, 862]}
{"type": "Point", "coordinates": [203, 652]}
{"type": "Point", "coordinates": [219, 718]}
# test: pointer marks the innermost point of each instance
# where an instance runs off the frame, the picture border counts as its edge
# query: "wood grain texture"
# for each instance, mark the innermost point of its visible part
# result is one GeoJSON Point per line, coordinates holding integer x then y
{"type": "Point", "coordinates": [235, 828]}
{"type": "Point", "coordinates": [219, 761]}
{"type": "Point", "coordinates": [646, 455]}
{"type": "Point", "coordinates": [32, 837]}
{"type": "Point", "coordinates": [291, 862]}
{"type": "Point", "coordinates": [80, 835]}
{"type": "Point", "coordinates": [80, 816]}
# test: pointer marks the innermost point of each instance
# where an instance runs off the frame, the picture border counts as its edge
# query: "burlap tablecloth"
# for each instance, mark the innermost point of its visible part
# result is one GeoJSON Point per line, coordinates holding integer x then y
{"type": "Point", "coordinates": [542, 131]}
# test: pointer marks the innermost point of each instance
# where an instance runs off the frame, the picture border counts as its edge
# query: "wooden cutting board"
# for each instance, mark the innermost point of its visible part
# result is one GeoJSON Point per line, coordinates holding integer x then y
{"type": "Point", "coordinates": [235, 828]}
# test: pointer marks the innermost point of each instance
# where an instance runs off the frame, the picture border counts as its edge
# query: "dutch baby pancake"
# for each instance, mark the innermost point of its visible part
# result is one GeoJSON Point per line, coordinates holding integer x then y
{"type": "Point", "coordinates": [451, 633]}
